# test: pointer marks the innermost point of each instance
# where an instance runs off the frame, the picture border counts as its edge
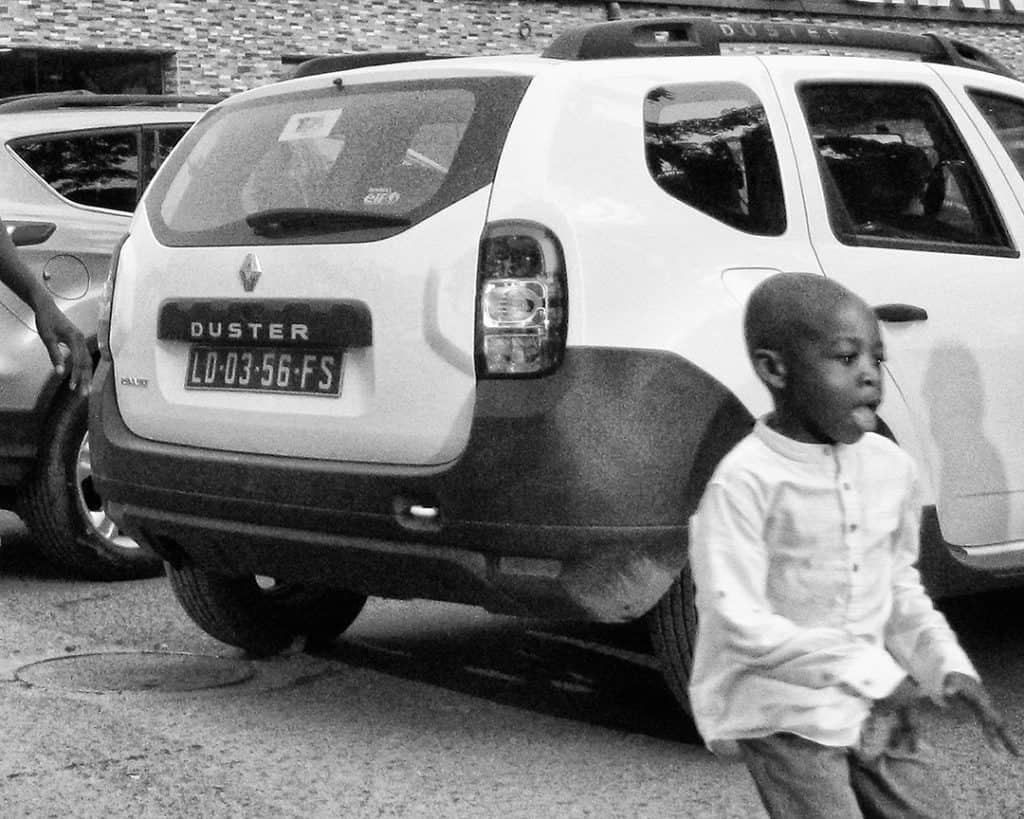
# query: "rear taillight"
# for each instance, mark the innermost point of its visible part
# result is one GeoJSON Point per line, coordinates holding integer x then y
{"type": "Point", "coordinates": [106, 303]}
{"type": "Point", "coordinates": [522, 309]}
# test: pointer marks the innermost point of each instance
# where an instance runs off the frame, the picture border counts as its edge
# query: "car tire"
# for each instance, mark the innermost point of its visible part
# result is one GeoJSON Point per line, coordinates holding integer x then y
{"type": "Point", "coordinates": [672, 624]}
{"type": "Point", "coordinates": [260, 616]}
{"type": "Point", "coordinates": [63, 512]}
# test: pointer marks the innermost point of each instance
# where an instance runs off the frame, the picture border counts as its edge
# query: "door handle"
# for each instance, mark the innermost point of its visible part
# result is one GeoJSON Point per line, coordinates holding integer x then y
{"type": "Point", "coordinates": [29, 233]}
{"type": "Point", "coordinates": [900, 312]}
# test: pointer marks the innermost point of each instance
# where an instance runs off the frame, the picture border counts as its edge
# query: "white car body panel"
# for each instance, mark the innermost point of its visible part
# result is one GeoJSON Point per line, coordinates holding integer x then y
{"type": "Point", "coordinates": [951, 369]}
{"type": "Point", "coordinates": [407, 399]}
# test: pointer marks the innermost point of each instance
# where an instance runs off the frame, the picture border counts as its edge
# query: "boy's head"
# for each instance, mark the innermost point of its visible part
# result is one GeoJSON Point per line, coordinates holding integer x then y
{"type": "Point", "coordinates": [817, 348]}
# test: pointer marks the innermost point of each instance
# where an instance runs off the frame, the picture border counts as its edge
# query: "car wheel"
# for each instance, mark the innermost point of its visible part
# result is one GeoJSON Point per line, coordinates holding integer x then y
{"type": "Point", "coordinates": [260, 615]}
{"type": "Point", "coordinates": [65, 515]}
{"type": "Point", "coordinates": [672, 624]}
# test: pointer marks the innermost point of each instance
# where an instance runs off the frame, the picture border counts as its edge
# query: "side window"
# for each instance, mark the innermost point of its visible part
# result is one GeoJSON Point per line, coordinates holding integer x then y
{"type": "Point", "coordinates": [709, 146]}
{"type": "Point", "coordinates": [895, 171]}
{"type": "Point", "coordinates": [158, 142]}
{"type": "Point", "coordinates": [1006, 118]}
{"type": "Point", "coordinates": [100, 169]}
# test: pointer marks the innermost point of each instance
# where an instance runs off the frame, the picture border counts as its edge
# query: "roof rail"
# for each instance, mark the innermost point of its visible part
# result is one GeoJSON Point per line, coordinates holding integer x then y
{"type": "Point", "coordinates": [957, 52]}
{"type": "Point", "coordinates": [691, 36]}
{"type": "Point", "coordinates": [360, 59]}
{"type": "Point", "coordinates": [84, 99]}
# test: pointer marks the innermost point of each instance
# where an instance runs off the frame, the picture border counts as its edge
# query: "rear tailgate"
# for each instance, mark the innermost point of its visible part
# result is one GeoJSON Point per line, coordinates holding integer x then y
{"type": "Point", "coordinates": [405, 398]}
{"type": "Point", "coordinates": [302, 277]}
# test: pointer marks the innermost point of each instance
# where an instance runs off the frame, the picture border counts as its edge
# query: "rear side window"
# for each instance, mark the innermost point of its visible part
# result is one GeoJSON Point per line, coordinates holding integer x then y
{"type": "Point", "coordinates": [100, 169]}
{"type": "Point", "coordinates": [103, 169]}
{"type": "Point", "coordinates": [896, 173]}
{"type": "Point", "coordinates": [709, 146]}
{"type": "Point", "coordinates": [348, 163]}
{"type": "Point", "coordinates": [157, 145]}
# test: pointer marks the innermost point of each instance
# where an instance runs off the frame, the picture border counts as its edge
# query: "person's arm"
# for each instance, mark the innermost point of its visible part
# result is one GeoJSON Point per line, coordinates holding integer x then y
{"type": "Point", "coordinates": [917, 634]}
{"type": "Point", "coordinates": [921, 637]}
{"type": "Point", "coordinates": [730, 567]}
{"type": "Point", "coordinates": [53, 326]}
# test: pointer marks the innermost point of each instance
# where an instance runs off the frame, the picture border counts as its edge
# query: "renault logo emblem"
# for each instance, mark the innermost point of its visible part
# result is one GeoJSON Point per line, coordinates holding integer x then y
{"type": "Point", "coordinates": [250, 272]}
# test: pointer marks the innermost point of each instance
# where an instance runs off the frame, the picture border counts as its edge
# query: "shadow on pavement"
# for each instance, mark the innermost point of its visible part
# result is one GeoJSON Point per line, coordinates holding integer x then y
{"type": "Point", "coordinates": [19, 556]}
{"type": "Point", "coordinates": [600, 675]}
{"type": "Point", "coordinates": [607, 675]}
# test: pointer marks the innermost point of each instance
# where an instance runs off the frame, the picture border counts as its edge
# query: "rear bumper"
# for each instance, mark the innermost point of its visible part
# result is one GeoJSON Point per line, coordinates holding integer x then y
{"type": "Point", "coordinates": [571, 499]}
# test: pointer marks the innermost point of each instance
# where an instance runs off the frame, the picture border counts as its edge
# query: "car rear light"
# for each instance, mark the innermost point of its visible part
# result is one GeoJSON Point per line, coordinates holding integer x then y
{"type": "Point", "coordinates": [106, 303]}
{"type": "Point", "coordinates": [522, 309]}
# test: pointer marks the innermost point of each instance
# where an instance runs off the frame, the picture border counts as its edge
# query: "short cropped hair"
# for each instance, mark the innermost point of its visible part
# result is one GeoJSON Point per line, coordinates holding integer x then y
{"type": "Point", "coordinates": [790, 307]}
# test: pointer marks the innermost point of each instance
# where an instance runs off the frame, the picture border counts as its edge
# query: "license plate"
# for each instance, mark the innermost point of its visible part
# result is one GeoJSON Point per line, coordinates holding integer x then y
{"type": "Point", "coordinates": [265, 369]}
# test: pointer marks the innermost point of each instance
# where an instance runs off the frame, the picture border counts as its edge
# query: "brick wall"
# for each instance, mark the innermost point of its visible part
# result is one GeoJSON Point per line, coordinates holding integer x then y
{"type": "Point", "coordinates": [230, 45]}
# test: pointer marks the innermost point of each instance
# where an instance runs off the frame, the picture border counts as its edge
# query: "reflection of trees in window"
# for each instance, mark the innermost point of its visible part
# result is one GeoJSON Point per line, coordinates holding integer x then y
{"type": "Point", "coordinates": [100, 170]}
{"type": "Point", "coordinates": [723, 164]}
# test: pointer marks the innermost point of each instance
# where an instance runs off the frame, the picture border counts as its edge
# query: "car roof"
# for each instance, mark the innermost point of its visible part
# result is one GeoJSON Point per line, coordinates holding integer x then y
{"type": "Point", "coordinates": [74, 111]}
{"type": "Point", "coordinates": [622, 47]}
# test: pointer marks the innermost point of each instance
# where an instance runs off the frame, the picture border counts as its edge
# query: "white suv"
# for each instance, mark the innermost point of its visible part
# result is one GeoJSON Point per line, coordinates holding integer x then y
{"type": "Point", "coordinates": [469, 329]}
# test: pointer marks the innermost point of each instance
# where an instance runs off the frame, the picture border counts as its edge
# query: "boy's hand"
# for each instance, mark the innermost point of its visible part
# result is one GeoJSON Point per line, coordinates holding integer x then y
{"type": "Point", "coordinates": [892, 722]}
{"type": "Point", "coordinates": [959, 687]}
{"type": "Point", "coordinates": [903, 696]}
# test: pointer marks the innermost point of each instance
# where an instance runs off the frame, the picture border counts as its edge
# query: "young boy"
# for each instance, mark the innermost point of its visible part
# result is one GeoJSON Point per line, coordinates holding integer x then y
{"type": "Point", "coordinates": [815, 634]}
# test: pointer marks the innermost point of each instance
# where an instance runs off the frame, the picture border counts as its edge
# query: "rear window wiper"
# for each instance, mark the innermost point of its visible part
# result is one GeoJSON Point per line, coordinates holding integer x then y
{"type": "Point", "coordinates": [290, 220]}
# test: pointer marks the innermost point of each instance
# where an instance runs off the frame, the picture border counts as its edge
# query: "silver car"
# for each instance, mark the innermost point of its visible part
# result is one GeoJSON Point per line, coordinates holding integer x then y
{"type": "Point", "coordinates": [73, 167]}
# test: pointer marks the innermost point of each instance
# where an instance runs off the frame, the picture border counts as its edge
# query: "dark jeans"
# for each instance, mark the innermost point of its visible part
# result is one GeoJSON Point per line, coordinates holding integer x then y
{"type": "Point", "coordinates": [800, 779]}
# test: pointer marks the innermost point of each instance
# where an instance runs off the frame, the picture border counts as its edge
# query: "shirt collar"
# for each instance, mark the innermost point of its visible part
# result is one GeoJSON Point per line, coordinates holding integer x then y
{"type": "Point", "coordinates": [797, 450]}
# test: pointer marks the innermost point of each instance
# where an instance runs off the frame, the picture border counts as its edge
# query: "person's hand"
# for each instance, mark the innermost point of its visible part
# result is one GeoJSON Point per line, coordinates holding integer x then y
{"type": "Point", "coordinates": [965, 689]}
{"type": "Point", "coordinates": [56, 329]}
{"type": "Point", "coordinates": [892, 722]}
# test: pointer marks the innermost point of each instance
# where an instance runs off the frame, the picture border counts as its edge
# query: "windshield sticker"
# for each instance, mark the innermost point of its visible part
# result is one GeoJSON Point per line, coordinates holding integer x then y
{"type": "Point", "coordinates": [310, 125]}
{"type": "Point", "coordinates": [381, 196]}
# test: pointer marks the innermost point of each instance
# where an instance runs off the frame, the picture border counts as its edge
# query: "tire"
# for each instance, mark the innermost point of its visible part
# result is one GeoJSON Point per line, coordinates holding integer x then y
{"type": "Point", "coordinates": [63, 512]}
{"type": "Point", "coordinates": [672, 624]}
{"type": "Point", "coordinates": [259, 615]}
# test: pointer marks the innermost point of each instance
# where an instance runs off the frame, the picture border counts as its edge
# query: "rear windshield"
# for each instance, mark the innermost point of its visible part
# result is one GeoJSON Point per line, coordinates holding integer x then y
{"type": "Point", "coordinates": [343, 164]}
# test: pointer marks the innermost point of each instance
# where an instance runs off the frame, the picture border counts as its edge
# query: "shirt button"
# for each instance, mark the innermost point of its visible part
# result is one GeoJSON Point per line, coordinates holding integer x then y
{"type": "Point", "coordinates": [856, 567]}
{"type": "Point", "coordinates": [853, 527]}
{"type": "Point", "coordinates": [846, 486]}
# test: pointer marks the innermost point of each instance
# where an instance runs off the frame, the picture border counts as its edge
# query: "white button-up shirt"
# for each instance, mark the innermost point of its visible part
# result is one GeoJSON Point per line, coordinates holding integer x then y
{"type": "Point", "coordinates": [809, 603]}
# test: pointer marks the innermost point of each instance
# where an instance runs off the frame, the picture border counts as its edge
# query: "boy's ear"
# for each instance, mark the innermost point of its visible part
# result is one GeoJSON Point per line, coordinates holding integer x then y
{"type": "Point", "coordinates": [770, 367]}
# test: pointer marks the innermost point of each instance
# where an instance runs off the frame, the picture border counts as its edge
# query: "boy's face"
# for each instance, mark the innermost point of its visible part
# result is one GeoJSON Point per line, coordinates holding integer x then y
{"type": "Point", "coordinates": [833, 379]}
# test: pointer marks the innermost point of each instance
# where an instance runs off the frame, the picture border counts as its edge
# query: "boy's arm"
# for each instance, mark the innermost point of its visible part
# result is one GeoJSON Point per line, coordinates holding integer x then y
{"type": "Point", "coordinates": [730, 568]}
{"type": "Point", "coordinates": [917, 634]}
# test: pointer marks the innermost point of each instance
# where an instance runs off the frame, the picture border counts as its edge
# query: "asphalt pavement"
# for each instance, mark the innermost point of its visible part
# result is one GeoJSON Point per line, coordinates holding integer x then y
{"type": "Point", "coordinates": [115, 705]}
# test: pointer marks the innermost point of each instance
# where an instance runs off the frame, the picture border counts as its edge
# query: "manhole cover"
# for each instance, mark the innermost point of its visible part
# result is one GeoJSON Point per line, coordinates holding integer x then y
{"type": "Point", "coordinates": [136, 671]}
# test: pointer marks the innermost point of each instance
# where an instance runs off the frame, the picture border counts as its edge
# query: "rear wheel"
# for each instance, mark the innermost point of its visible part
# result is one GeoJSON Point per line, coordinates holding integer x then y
{"type": "Point", "coordinates": [261, 615]}
{"type": "Point", "coordinates": [65, 515]}
{"type": "Point", "coordinates": [672, 624]}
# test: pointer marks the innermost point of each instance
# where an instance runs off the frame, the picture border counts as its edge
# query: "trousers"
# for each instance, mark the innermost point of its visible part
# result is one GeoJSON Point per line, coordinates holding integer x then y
{"type": "Point", "coordinates": [800, 779]}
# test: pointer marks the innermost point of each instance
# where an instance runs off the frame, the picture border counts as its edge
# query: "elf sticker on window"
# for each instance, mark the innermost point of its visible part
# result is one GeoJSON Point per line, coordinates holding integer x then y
{"type": "Point", "coordinates": [381, 196]}
{"type": "Point", "coordinates": [310, 125]}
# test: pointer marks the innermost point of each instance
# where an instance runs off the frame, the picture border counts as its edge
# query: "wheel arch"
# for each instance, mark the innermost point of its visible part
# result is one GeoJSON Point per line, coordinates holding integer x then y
{"type": "Point", "coordinates": [621, 441]}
